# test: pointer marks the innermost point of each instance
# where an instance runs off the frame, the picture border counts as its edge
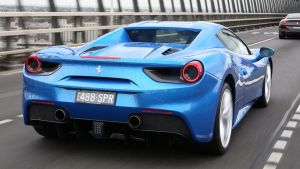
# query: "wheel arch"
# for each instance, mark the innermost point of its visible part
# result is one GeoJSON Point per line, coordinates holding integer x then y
{"type": "Point", "coordinates": [229, 79]}
{"type": "Point", "coordinates": [271, 64]}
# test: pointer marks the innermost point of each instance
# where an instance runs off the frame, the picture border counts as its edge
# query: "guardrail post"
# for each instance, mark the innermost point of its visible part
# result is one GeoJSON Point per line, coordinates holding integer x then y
{"type": "Point", "coordinates": [224, 6]}
{"type": "Point", "coordinates": [173, 10]}
{"type": "Point", "coordinates": [78, 21]}
{"type": "Point", "coordinates": [136, 9]}
{"type": "Point", "coordinates": [183, 9]}
{"type": "Point", "coordinates": [120, 18]}
{"type": "Point", "coordinates": [102, 19]}
{"type": "Point", "coordinates": [162, 9]}
{"type": "Point", "coordinates": [22, 24]}
{"type": "Point", "coordinates": [57, 36]}
{"type": "Point", "coordinates": [7, 38]}
{"type": "Point", "coordinates": [213, 8]}
{"type": "Point", "coordinates": [199, 7]}
{"type": "Point", "coordinates": [150, 9]}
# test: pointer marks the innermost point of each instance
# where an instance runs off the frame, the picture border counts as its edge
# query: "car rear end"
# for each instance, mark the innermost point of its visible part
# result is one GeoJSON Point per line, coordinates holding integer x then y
{"type": "Point", "coordinates": [290, 25]}
{"type": "Point", "coordinates": [105, 95]}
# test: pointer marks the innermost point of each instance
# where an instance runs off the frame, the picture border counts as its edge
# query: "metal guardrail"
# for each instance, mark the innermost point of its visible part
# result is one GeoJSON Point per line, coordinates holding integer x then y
{"type": "Point", "coordinates": [234, 21]}
{"type": "Point", "coordinates": [70, 14]}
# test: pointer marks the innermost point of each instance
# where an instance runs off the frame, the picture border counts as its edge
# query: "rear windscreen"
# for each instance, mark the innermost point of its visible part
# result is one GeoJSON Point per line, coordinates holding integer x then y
{"type": "Point", "coordinates": [293, 16]}
{"type": "Point", "coordinates": [162, 35]}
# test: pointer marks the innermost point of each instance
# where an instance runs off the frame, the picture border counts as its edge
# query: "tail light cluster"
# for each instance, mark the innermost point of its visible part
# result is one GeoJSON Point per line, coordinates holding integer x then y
{"type": "Point", "coordinates": [189, 73]}
{"type": "Point", "coordinates": [282, 22]}
{"type": "Point", "coordinates": [34, 66]}
{"type": "Point", "coordinates": [192, 71]}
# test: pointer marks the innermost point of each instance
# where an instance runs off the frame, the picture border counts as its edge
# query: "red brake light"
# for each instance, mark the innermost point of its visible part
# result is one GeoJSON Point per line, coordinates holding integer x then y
{"type": "Point", "coordinates": [192, 71]}
{"type": "Point", "coordinates": [103, 57]}
{"type": "Point", "coordinates": [283, 22]}
{"type": "Point", "coordinates": [33, 64]}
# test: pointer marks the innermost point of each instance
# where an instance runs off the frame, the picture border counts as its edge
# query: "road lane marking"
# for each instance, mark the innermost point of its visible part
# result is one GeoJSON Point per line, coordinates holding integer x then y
{"type": "Point", "coordinates": [287, 134]}
{"type": "Point", "coordinates": [298, 109]}
{"type": "Point", "coordinates": [262, 41]}
{"type": "Point", "coordinates": [275, 157]}
{"type": "Point", "coordinates": [296, 117]}
{"type": "Point", "coordinates": [254, 33]}
{"type": "Point", "coordinates": [20, 116]}
{"type": "Point", "coordinates": [270, 166]}
{"type": "Point", "coordinates": [280, 144]}
{"type": "Point", "coordinates": [5, 121]}
{"type": "Point", "coordinates": [11, 72]}
{"type": "Point", "coordinates": [272, 138]}
{"type": "Point", "coordinates": [10, 94]}
{"type": "Point", "coordinates": [291, 124]}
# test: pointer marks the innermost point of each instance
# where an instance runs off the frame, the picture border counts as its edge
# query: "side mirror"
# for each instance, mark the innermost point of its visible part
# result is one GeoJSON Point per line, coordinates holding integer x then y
{"type": "Point", "coordinates": [266, 52]}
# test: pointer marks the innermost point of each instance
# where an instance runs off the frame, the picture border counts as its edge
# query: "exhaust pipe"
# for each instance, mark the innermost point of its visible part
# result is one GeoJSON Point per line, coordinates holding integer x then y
{"type": "Point", "coordinates": [60, 115]}
{"type": "Point", "coordinates": [134, 121]}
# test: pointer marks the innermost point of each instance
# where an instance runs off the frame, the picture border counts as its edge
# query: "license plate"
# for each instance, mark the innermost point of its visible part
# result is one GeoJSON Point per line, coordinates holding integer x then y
{"type": "Point", "coordinates": [296, 27]}
{"type": "Point", "coordinates": [96, 97]}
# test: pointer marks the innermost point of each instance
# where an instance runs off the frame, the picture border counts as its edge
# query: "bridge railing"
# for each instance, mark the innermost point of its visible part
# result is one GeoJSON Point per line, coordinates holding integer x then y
{"type": "Point", "coordinates": [76, 33]}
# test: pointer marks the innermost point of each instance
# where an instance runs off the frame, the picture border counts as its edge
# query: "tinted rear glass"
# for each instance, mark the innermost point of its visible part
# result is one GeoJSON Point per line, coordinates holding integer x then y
{"type": "Point", "coordinates": [293, 16]}
{"type": "Point", "coordinates": [162, 35]}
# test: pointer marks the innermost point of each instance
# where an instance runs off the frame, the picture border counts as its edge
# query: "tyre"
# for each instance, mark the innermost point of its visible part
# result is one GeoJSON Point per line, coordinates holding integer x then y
{"type": "Point", "coordinates": [46, 130]}
{"type": "Point", "coordinates": [264, 100]}
{"type": "Point", "coordinates": [223, 123]}
{"type": "Point", "coordinates": [281, 36]}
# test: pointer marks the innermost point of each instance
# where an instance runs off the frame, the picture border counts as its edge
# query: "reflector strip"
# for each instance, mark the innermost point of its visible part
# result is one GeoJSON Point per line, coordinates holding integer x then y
{"type": "Point", "coordinates": [102, 57]}
{"type": "Point", "coordinates": [42, 102]}
{"type": "Point", "coordinates": [157, 111]}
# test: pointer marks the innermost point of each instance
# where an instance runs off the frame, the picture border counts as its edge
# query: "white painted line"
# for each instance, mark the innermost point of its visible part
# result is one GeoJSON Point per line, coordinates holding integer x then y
{"type": "Point", "coordinates": [5, 121]}
{"type": "Point", "coordinates": [10, 72]}
{"type": "Point", "coordinates": [287, 134]}
{"type": "Point", "coordinates": [254, 33]}
{"type": "Point", "coordinates": [291, 124]}
{"type": "Point", "coordinates": [298, 109]}
{"type": "Point", "coordinates": [262, 41]}
{"type": "Point", "coordinates": [275, 157]}
{"type": "Point", "coordinates": [270, 166]}
{"type": "Point", "coordinates": [20, 116]}
{"type": "Point", "coordinates": [280, 145]}
{"type": "Point", "coordinates": [296, 117]}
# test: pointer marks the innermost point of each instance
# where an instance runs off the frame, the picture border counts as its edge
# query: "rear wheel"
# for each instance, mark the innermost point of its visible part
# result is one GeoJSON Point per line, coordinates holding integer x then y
{"type": "Point", "coordinates": [266, 88]}
{"type": "Point", "coordinates": [223, 123]}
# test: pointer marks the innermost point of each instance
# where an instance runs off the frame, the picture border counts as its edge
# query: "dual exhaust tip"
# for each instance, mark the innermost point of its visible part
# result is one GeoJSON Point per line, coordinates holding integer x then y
{"type": "Point", "coordinates": [134, 121]}
{"type": "Point", "coordinates": [60, 115]}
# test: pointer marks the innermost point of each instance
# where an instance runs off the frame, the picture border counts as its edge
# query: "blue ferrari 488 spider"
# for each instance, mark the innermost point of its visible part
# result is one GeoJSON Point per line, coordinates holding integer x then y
{"type": "Point", "coordinates": [192, 80]}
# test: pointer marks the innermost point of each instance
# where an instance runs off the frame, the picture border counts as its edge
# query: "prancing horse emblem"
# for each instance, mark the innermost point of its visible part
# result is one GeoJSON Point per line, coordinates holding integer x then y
{"type": "Point", "coordinates": [99, 69]}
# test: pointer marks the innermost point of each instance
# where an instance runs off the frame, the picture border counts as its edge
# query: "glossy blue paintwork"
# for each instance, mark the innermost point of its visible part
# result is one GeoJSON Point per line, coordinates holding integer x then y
{"type": "Point", "coordinates": [195, 103]}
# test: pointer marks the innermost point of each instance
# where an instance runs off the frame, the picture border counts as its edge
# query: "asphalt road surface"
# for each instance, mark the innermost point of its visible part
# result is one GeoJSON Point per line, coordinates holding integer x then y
{"type": "Point", "coordinates": [266, 138]}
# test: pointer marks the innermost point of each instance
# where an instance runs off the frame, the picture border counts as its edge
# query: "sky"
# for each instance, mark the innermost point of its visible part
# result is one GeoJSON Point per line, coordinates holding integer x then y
{"type": "Point", "coordinates": [143, 4]}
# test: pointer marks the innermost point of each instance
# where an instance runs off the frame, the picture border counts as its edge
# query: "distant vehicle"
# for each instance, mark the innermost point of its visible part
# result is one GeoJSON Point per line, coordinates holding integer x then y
{"type": "Point", "coordinates": [289, 25]}
{"type": "Point", "coordinates": [193, 80]}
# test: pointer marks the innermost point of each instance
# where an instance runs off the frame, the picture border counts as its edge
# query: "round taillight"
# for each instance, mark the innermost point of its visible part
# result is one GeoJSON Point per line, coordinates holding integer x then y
{"type": "Point", "coordinates": [192, 71]}
{"type": "Point", "coordinates": [32, 64]}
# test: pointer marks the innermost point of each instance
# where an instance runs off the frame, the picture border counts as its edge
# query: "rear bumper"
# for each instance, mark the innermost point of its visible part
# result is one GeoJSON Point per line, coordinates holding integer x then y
{"type": "Point", "coordinates": [289, 30]}
{"type": "Point", "coordinates": [157, 123]}
{"type": "Point", "coordinates": [191, 109]}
